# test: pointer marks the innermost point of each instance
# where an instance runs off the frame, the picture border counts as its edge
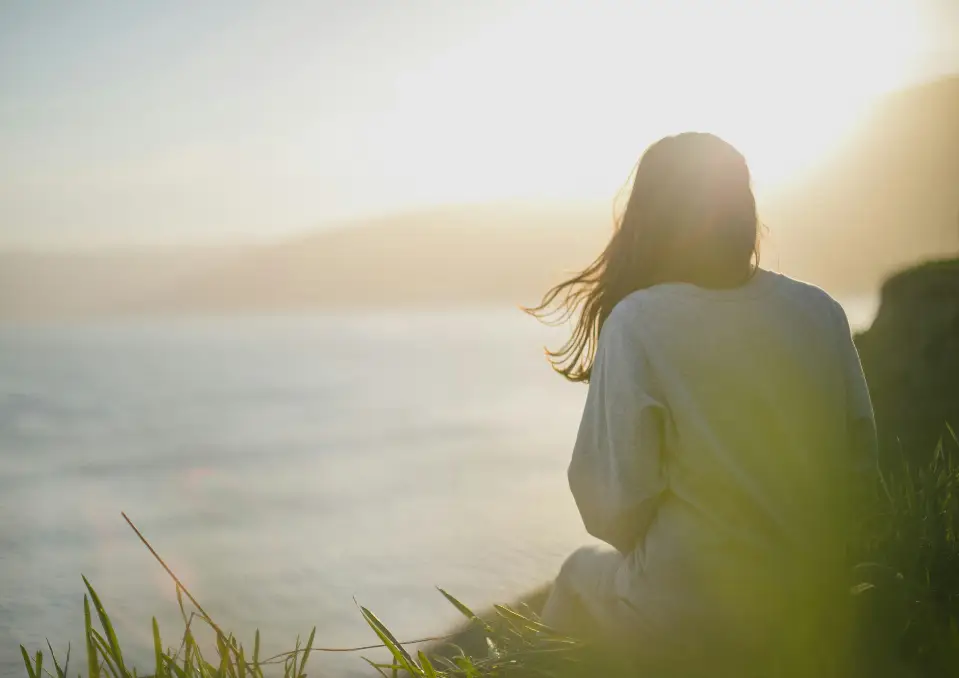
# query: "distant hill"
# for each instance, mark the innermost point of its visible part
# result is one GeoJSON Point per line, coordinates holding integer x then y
{"type": "Point", "coordinates": [465, 255]}
{"type": "Point", "coordinates": [887, 197]}
{"type": "Point", "coordinates": [65, 286]}
{"type": "Point", "coordinates": [486, 254]}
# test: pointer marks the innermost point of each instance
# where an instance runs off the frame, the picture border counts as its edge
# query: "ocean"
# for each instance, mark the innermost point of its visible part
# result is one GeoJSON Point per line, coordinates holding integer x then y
{"type": "Point", "coordinates": [288, 468]}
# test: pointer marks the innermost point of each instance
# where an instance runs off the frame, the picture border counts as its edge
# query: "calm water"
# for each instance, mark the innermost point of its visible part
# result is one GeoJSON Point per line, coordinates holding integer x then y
{"type": "Point", "coordinates": [282, 466]}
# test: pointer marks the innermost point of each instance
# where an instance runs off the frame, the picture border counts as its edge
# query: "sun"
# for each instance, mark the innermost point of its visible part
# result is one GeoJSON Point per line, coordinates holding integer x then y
{"type": "Point", "coordinates": [787, 101]}
{"type": "Point", "coordinates": [559, 101]}
{"type": "Point", "coordinates": [783, 82]}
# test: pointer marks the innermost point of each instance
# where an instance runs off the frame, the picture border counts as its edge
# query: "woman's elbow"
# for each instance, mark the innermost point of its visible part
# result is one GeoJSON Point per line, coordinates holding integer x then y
{"type": "Point", "coordinates": [620, 539]}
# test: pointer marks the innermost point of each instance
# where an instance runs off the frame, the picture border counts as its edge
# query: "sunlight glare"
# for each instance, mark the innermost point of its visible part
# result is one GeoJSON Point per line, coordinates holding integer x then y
{"type": "Point", "coordinates": [782, 81]}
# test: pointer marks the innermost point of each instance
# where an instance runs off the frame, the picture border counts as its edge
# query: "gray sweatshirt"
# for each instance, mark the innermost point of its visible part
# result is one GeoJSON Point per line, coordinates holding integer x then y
{"type": "Point", "coordinates": [722, 428]}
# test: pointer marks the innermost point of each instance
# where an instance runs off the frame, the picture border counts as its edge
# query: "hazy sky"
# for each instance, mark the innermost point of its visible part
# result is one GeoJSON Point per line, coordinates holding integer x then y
{"type": "Point", "coordinates": [216, 120]}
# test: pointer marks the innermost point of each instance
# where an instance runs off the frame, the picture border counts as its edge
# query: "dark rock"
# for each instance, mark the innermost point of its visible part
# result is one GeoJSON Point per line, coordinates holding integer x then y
{"type": "Point", "coordinates": [911, 359]}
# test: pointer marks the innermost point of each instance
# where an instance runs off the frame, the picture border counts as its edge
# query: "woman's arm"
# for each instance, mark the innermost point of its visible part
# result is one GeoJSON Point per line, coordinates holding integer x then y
{"type": "Point", "coordinates": [860, 420]}
{"type": "Point", "coordinates": [616, 473]}
{"type": "Point", "coordinates": [862, 465]}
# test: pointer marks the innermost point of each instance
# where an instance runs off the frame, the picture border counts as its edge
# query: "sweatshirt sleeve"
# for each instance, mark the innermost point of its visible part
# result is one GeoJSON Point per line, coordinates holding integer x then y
{"type": "Point", "coordinates": [860, 420]}
{"type": "Point", "coordinates": [616, 474]}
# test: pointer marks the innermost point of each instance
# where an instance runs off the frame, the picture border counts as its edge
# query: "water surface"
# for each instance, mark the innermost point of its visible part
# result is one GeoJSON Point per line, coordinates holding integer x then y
{"type": "Point", "coordinates": [283, 466]}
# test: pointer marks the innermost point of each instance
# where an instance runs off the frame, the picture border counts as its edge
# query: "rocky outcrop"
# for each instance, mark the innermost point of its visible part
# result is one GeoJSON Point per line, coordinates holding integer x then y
{"type": "Point", "coordinates": [911, 359]}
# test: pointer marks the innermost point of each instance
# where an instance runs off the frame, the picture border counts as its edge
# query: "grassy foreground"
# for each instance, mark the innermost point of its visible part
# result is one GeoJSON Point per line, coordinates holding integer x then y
{"type": "Point", "coordinates": [519, 644]}
{"type": "Point", "coordinates": [904, 581]}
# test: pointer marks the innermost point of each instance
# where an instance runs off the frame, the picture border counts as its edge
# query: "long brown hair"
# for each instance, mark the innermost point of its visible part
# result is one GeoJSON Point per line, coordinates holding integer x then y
{"type": "Point", "coordinates": [690, 217]}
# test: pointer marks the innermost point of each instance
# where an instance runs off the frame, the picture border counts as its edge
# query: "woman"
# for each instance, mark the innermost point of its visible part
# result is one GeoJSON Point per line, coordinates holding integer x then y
{"type": "Point", "coordinates": [726, 421]}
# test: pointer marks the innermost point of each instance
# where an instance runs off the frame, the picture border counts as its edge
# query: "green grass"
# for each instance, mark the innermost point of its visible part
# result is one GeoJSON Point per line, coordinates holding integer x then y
{"type": "Point", "coordinates": [909, 559]}
{"type": "Point", "coordinates": [904, 583]}
{"type": "Point", "coordinates": [518, 644]}
{"type": "Point", "coordinates": [521, 645]}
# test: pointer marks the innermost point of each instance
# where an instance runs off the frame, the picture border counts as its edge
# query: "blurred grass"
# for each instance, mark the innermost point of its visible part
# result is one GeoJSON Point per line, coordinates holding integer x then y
{"type": "Point", "coordinates": [521, 646]}
{"type": "Point", "coordinates": [904, 585]}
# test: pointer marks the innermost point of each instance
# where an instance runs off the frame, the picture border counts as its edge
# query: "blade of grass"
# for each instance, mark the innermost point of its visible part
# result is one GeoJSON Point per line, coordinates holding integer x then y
{"type": "Point", "coordinates": [507, 613]}
{"type": "Point", "coordinates": [256, 654]}
{"type": "Point", "coordinates": [224, 652]}
{"type": "Point", "coordinates": [426, 665]}
{"type": "Point", "coordinates": [28, 663]}
{"type": "Point", "coordinates": [306, 653]}
{"type": "Point", "coordinates": [157, 649]}
{"type": "Point", "coordinates": [401, 655]}
{"type": "Point", "coordinates": [173, 576]}
{"type": "Point", "coordinates": [375, 666]}
{"type": "Point", "coordinates": [56, 664]}
{"type": "Point", "coordinates": [93, 666]}
{"type": "Point", "coordinates": [187, 664]}
{"type": "Point", "coordinates": [463, 610]}
{"type": "Point", "coordinates": [448, 663]}
{"type": "Point", "coordinates": [104, 651]}
{"type": "Point", "coordinates": [171, 665]}
{"type": "Point", "coordinates": [107, 627]}
{"type": "Point", "coordinates": [66, 662]}
{"type": "Point", "coordinates": [241, 663]}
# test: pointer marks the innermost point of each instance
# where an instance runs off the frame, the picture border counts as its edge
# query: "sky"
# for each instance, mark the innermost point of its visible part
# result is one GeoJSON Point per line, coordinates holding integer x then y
{"type": "Point", "coordinates": [229, 120]}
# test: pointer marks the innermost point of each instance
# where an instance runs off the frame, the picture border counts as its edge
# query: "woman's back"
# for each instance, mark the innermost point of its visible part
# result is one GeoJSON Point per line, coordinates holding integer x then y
{"type": "Point", "coordinates": [758, 384]}
{"type": "Point", "coordinates": [716, 435]}
{"type": "Point", "coordinates": [726, 421]}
